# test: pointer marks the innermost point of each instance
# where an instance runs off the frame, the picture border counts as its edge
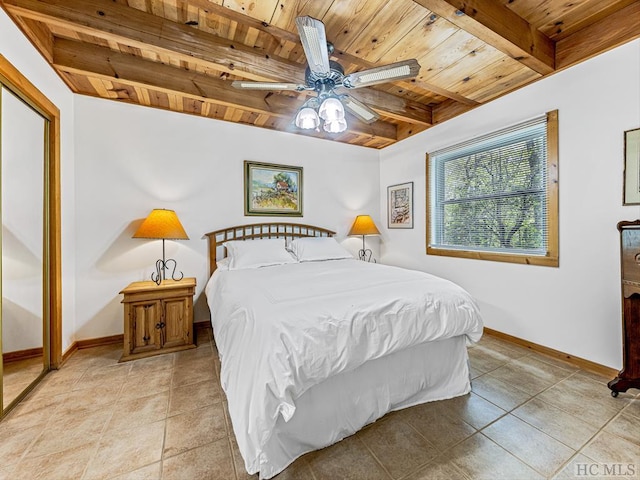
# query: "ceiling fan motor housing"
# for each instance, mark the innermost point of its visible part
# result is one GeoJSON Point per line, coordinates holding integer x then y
{"type": "Point", "coordinates": [325, 84]}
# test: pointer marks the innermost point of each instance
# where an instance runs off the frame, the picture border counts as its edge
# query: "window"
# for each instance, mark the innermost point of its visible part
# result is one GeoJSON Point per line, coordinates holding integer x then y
{"type": "Point", "coordinates": [496, 197]}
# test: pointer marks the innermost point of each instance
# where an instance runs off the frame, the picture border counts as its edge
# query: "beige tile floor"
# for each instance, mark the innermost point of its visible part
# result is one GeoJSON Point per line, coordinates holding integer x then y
{"type": "Point", "coordinates": [17, 376]}
{"type": "Point", "coordinates": [528, 417]}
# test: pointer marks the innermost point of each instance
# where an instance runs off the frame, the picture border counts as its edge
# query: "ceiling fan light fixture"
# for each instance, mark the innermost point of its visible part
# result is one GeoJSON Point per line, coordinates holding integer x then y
{"type": "Point", "coordinates": [335, 126]}
{"type": "Point", "coordinates": [331, 110]}
{"type": "Point", "coordinates": [307, 119]}
{"type": "Point", "coordinates": [323, 76]}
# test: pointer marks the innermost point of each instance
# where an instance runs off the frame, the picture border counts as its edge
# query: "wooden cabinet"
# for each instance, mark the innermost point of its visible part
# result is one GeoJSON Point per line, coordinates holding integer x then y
{"type": "Point", "coordinates": [158, 318]}
{"type": "Point", "coordinates": [629, 376]}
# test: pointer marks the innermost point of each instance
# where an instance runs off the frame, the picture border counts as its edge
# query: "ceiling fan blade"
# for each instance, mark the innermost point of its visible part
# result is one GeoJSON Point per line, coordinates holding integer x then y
{"type": "Point", "coordinates": [267, 85]}
{"type": "Point", "coordinates": [386, 73]}
{"type": "Point", "coordinates": [314, 42]}
{"type": "Point", "coordinates": [359, 109]}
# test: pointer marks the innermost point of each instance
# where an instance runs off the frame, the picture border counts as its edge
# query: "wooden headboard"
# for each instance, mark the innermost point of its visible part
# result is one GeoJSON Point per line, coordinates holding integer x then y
{"type": "Point", "coordinates": [259, 230]}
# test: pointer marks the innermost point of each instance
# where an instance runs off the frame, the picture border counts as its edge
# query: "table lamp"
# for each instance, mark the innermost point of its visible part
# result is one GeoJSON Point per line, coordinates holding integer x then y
{"type": "Point", "coordinates": [363, 225]}
{"type": "Point", "coordinates": [163, 224]}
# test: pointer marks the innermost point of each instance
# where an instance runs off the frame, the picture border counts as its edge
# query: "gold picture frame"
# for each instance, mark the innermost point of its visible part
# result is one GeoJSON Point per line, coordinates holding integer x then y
{"type": "Point", "coordinates": [631, 187]}
{"type": "Point", "coordinates": [272, 190]}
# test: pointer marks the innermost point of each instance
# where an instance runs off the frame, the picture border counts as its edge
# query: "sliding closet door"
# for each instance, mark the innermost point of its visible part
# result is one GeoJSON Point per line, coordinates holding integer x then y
{"type": "Point", "coordinates": [24, 319]}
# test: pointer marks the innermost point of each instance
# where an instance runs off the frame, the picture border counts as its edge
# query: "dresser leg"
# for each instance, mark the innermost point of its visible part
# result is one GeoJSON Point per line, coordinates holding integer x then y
{"type": "Point", "coordinates": [621, 384]}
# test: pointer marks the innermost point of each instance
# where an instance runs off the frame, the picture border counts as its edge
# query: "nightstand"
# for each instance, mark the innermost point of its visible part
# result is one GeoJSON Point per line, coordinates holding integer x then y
{"type": "Point", "coordinates": [158, 318]}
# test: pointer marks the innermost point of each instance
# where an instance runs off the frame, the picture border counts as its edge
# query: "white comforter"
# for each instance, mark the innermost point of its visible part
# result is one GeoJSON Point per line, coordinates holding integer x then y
{"type": "Point", "coordinates": [283, 329]}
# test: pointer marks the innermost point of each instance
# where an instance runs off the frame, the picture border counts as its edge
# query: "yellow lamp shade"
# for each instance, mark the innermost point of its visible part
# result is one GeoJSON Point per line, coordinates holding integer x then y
{"type": "Point", "coordinates": [363, 225]}
{"type": "Point", "coordinates": [163, 224]}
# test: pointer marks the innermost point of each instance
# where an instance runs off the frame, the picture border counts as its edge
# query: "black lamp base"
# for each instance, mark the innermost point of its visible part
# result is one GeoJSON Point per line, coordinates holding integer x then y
{"type": "Point", "coordinates": [366, 255]}
{"type": "Point", "coordinates": [162, 266]}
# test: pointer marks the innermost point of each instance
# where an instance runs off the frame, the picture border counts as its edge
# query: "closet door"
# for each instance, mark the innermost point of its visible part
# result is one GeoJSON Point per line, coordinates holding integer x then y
{"type": "Point", "coordinates": [23, 320]}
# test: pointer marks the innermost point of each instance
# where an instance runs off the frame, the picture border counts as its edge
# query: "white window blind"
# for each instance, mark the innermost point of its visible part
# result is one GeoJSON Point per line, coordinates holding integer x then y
{"type": "Point", "coordinates": [489, 193]}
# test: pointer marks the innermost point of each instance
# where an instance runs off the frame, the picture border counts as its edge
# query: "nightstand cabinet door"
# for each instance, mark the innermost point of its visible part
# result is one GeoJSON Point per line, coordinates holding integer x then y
{"type": "Point", "coordinates": [178, 326]}
{"type": "Point", "coordinates": [144, 334]}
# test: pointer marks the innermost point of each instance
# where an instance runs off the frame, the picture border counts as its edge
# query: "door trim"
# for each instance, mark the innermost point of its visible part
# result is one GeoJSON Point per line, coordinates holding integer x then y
{"type": "Point", "coordinates": [23, 88]}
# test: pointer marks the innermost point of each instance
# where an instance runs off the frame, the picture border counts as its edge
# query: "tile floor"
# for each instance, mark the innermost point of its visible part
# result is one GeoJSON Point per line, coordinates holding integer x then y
{"type": "Point", "coordinates": [528, 417]}
{"type": "Point", "coordinates": [17, 376]}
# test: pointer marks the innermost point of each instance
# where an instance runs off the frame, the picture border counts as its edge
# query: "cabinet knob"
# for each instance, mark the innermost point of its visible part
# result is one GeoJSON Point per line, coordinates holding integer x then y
{"type": "Point", "coordinates": [146, 339]}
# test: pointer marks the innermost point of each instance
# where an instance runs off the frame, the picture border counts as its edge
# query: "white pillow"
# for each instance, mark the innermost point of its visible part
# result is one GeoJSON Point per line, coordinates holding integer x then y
{"type": "Point", "coordinates": [310, 249]}
{"type": "Point", "coordinates": [257, 253]}
{"type": "Point", "coordinates": [223, 264]}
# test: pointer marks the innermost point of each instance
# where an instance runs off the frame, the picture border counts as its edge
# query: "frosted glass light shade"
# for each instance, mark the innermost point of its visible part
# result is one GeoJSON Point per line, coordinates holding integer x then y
{"type": "Point", "coordinates": [161, 223]}
{"type": "Point", "coordinates": [336, 126]}
{"type": "Point", "coordinates": [307, 118]}
{"type": "Point", "coordinates": [331, 110]}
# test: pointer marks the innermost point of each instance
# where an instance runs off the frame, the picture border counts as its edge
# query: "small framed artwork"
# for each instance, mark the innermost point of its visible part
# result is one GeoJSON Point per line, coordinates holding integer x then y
{"type": "Point", "coordinates": [400, 205]}
{"type": "Point", "coordinates": [274, 190]}
{"type": "Point", "coordinates": [631, 167]}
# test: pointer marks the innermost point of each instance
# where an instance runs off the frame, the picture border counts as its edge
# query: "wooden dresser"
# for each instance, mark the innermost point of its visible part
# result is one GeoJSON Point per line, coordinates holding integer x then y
{"type": "Point", "coordinates": [629, 376]}
{"type": "Point", "coordinates": [158, 318]}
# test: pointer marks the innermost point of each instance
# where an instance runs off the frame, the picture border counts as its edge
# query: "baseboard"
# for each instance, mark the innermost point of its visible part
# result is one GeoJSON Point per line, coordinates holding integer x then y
{"type": "Point", "coordinates": [199, 326]}
{"type": "Point", "coordinates": [21, 355]}
{"type": "Point", "coordinates": [90, 343]}
{"type": "Point", "coordinates": [99, 342]}
{"type": "Point", "coordinates": [68, 352]}
{"type": "Point", "coordinates": [573, 360]}
{"type": "Point", "coordinates": [114, 339]}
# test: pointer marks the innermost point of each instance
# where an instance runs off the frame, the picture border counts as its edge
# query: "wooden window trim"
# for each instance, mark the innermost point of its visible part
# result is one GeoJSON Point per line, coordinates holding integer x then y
{"type": "Point", "coordinates": [552, 258]}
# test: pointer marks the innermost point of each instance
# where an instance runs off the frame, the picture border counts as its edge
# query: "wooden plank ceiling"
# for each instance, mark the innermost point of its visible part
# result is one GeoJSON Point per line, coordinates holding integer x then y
{"type": "Point", "coordinates": [182, 55]}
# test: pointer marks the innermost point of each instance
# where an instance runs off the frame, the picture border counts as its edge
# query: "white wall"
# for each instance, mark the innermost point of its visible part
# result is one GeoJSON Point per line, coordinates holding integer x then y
{"type": "Point", "coordinates": [19, 51]}
{"type": "Point", "coordinates": [132, 159]}
{"type": "Point", "coordinates": [574, 308]}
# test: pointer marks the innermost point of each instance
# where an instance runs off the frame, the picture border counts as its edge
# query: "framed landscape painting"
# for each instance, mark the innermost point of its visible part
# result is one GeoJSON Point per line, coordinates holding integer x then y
{"type": "Point", "coordinates": [400, 205]}
{"type": "Point", "coordinates": [274, 190]}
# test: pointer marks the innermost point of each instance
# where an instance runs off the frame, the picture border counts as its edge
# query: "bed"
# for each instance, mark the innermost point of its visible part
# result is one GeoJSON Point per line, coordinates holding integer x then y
{"type": "Point", "coordinates": [312, 351]}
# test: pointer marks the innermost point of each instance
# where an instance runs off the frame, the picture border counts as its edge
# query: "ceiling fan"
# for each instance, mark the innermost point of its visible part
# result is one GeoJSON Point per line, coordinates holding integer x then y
{"type": "Point", "coordinates": [324, 76]}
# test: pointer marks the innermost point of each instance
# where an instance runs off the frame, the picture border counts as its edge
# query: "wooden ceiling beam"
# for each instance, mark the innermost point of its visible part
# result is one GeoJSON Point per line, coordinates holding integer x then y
{"type": "Point", "coordinates": [39, 34]}
{"type": "Point", "coordinates": [85, 59]}
{"type": "Point", "coordinates": [406, 130]}
{"type": "Point", "coordinates": [81, 58]}
{"type": "Point", "coordinates": [447, 110]}
{"type": "Point", "coordinates": [614, 30]}
{"type": "Point", "coordinates": [497, 25]}
{"type": "Point", "coordinates": [395, 107]}
{"type": "Point", "coordinates": [122, 24]}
